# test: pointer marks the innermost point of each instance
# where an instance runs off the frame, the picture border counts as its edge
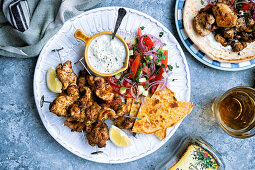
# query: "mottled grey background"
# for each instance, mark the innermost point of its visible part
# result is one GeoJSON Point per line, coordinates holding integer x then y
{"type": "Point", "coordinates": [25, 143]}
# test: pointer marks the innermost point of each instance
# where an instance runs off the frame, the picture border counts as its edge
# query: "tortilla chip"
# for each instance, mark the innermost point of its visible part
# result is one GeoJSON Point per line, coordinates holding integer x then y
{"type": "Point", "coordinates": [162, 111]}
{"type": "Point", "coordinates": [161, 134]}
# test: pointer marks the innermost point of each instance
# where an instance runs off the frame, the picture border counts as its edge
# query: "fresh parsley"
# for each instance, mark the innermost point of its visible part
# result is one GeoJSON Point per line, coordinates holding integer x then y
{"type": "Point", "coordinates": [161, 34]}
{"type": "Point", "coordinates": [142, 27]}
{"type": "Point", "coordinates": [135, 102]}
{"type": "Point", "coordinates": [170, 68]}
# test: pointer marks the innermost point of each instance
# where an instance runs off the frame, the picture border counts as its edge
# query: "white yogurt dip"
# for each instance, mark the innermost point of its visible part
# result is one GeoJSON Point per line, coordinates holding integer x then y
{"type": "Point", "coordinates": [106, 55]}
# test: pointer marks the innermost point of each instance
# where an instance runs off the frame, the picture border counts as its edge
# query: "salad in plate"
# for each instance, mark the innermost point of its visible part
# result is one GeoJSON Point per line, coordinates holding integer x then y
{"type": "Point", "coordinates": [147, 67]}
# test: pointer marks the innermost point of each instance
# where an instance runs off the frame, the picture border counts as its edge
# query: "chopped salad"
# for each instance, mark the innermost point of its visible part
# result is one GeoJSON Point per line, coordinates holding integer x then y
{"type": "Point", "coordinates": [147, 67]}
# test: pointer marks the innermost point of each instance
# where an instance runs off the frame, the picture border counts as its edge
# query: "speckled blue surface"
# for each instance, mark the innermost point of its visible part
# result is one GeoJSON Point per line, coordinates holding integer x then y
{"type": "Point", "coordinates": [25, 143]}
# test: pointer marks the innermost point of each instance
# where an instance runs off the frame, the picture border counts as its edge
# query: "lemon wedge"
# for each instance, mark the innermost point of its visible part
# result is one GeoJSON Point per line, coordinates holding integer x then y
{"type": "Point", "coordinates": [53, 82]}
{"type": "Point", "coordinates": [119, 137]}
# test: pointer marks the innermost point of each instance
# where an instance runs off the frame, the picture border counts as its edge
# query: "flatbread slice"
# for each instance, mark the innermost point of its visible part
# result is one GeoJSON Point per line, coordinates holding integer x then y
{"type": "Point", "coordinates": [208, 44]}
{"type": "Point", "coordinates": [170, 96]}
{"type": "Point", "coordinates": [161, 113]}
{"type": "Point", "coordinates": [161, 134]}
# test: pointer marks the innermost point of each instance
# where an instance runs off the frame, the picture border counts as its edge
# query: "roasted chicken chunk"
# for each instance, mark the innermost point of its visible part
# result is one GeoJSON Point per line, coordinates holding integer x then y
{"type": "Point", "coordinates": [238, 46]}
{"type": "Point", "coordinates": [229, 34]}
{"type": "Point", "coordinates": [75, 126]}
{"type": "Point", "coordinates": [60, 105]}
{"type": "Point", "coordinates": [219, 38]}
{"type": "Point", "coordinates": [66, 74]}
{"type": "Point", "coordinates": [77, 113]}
{"type": "Point", "coordinates": [98, 135]}
{"type": "Point", "coordinates": [225, 17]}
{"type": "Point", "coordinates": [203, 23]}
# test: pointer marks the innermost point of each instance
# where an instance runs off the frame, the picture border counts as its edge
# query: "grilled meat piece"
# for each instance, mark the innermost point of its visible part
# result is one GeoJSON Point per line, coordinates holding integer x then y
{"type": "Point", "coordinates": [90, 80]}
{"type": "Point", "coordinates": [87, 96]}
{"type": "Point", "coordinates": [245, 36]}
{"type": "Point", "coordinates": [98, 135]}
{"type": "Point", "coordinates": [91, 116]}
{"type": "Point", "coordinates": [238, 46]}
{"type": "Point", "coordinates": [105, 94]}
{"type": "Point", "coordinates": [73, 91]}
{"type": "Point", "coordinates": [250, 22]}
{"type": "Point", "coordinates": [77, 113]}
{"type": "Point", "coordinates": [202, 23]}
{"type": "Point", "coordinates": [66, 74]}
{"type": "Point", "coordinates": [221, 40]}
{"type": "Point", "coordinates": [60, 105]}
{"type": "Point", "coordinates": [106, 113]}
{"type": "Point", "coordinates": [229, 34]}
{"type": "Point", "coordinates": [75, 126]}
{"type": "Point", "coordinates": [241, 24]}
{"type": "Point", "coordinates": [116, 102]}
{"type": "Point", "coordinates": [225, 17]}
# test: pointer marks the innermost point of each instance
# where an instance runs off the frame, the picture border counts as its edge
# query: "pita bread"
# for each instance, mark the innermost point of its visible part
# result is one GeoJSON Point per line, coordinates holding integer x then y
{"type": "Point", "coordinates": [161, 113]}
{"type": "Point", "coordinates": [161, 134]}
{"type": "Point", "coordinates": [208, 44]}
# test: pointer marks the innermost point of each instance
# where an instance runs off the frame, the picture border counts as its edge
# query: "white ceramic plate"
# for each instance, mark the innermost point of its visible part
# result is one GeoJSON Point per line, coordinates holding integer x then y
{"type": "Point", "coordinates": [92, 22]}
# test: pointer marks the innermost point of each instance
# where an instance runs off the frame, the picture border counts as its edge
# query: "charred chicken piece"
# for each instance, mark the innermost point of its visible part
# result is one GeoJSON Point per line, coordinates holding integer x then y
{"type": "Point", "coordinates": [123, 122]}
{"type": "Point", "coordinates": [201, 24]}
{"type": "Point", "coordinates": [105, 94]}
{"type": "Point", "coordinates": [90, 80]}
{"type": "Point", "coordinates": [225, 17]}
{"type": "Point", "coordinates": [66, 74]}
{"type": "Point", "coordinates": [60, 105]}
{"type": "Point", "coordinates": [221, 40]}
{"type": "Point", "coordinates": [81, 81]}
{"type": "Point", "coordinates": [238, 46]}
{"type": "Point", "coordinates": [250, 22]}
{"type": "Point", "coordinates": [241, 24]}
{"type": "Point", "coordinates": [75, 126]}
{"type": "Point", "coordinates": [91, 115]}
{"type": "Point", "coordinates": [72, 90]}
{"type": "Point", "coordinates": [106, 113]}
{"type": "Point", "coordinates": [98, 135]}
{"type": "Point", "coordinates": [85, 100]}
{"type": "Point", "coordinates": [116, 102]}
{"type": "Point", "coordinates": [77, 113]}
{"type": "Point", "coordinates": [229, 34]}
{"type": "Point", "coordinates": [245, 36]}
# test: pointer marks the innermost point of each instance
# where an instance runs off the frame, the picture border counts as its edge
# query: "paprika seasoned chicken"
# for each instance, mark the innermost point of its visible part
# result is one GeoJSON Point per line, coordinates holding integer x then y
{"type": "Point", "coordinates": [61, 104]}
{"type": "Point", "coordinates": [66, 74]}
{"type": "Point", "coordinates": [86, 102]}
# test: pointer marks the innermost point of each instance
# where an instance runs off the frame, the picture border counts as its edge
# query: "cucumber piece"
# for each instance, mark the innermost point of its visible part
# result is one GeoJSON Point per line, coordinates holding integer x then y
{"type": "Point", "coordinates": [142, 80]}
{"type": "Point", "coordinates": [145, 93]}
{"type": "Point", "coordinates": [123, 90]}
{"type": "Point", "coordinates": [117, 76]}
{"type": "Point", "coordinates": [140, 90]}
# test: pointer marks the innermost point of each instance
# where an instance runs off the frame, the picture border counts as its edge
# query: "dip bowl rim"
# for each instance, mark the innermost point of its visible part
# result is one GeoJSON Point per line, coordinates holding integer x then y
{"type": "Point", "coordinates": [87, 40]}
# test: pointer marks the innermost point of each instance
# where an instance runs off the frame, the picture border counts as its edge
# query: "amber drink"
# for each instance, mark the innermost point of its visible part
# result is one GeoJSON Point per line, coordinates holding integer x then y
{"type": "Point", "coordinates": [235, 111]}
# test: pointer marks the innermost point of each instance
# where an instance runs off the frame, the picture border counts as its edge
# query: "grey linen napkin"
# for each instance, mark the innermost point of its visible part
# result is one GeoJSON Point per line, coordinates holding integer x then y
{"type": "Point", "coordinates": [47, 17]}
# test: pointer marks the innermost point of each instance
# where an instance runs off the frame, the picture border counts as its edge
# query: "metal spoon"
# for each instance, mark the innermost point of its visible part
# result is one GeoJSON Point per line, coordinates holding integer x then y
{"type": "Point", "coordinates": [121, 13]}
